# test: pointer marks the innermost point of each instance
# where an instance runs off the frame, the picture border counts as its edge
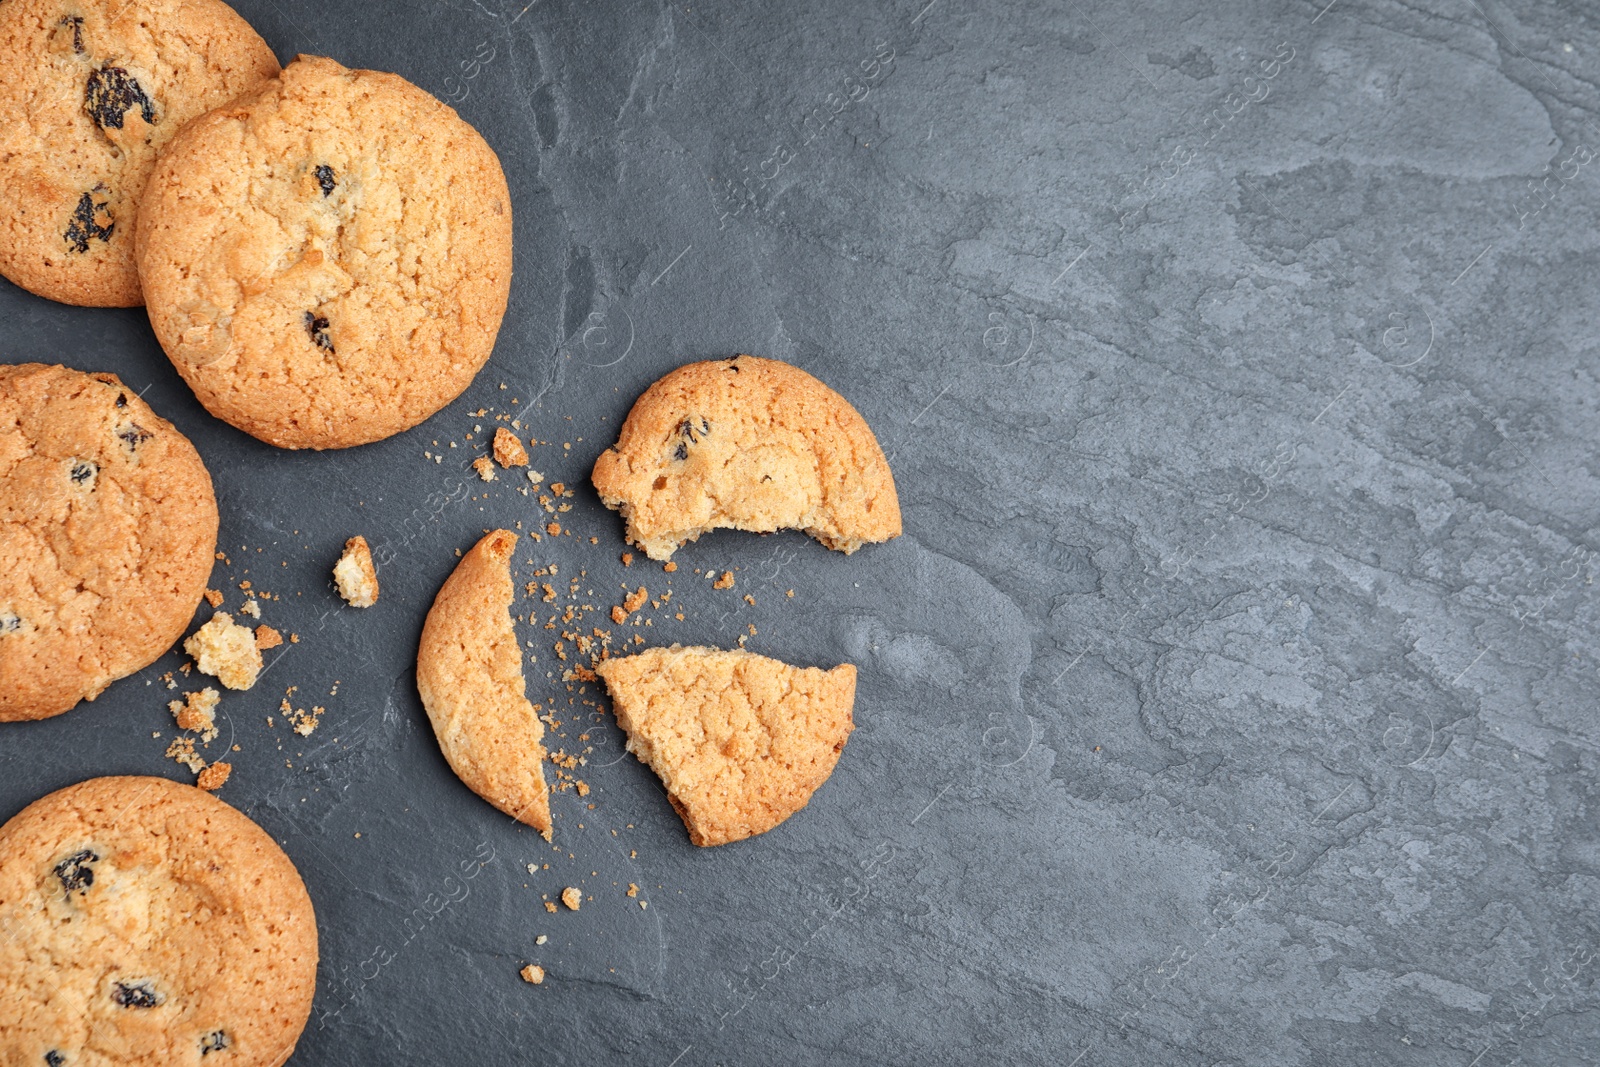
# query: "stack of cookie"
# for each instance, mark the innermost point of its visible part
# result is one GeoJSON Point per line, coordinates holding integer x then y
{"type": "Point", "coordinates": [325, 255]}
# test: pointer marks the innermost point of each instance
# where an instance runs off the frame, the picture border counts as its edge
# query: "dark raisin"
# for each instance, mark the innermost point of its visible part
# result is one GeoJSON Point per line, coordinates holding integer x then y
{"type": "Point", "coordinates": [122, 400]}
{"type": "Point", "coordinates": [54, 1058]}
{"type": "Point", "coordinates": [134, 435]}
{"type": "Point", "coordinates": [75, 873]}
{"type": "Point", "coordinates": [85, 224]}
{"type": "Point", "coordinates": [317, 327]}
{"type": "Point", "coordinates": [215, 1041]}
{"type": "Point", "coordinates": [686, 429]}
{"type": "Point", "coordinates": [82, 471]}
{"type": "Point", "coordinates": [766, 477]}
{"type": "Point", "coordinates": [111, 94]}
{"type": "Point", "coordinates": [325, 179]}
{"type": "Point", "coordinates": [76, 22]}
{"type": "Point", "coordinates": [135, 995]}
{"type": "Point", "coordinates": [682, 452]}
{"type": "Point", "coordinates": [9, 622]}
{"type": "Point", "coordinates": [705, 428]}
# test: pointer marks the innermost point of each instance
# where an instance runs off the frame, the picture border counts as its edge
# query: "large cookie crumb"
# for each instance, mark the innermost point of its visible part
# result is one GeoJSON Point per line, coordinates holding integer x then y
{"type": "Point", "coordinates": [214, 777]}
{"type": "Point", "coordinates": [197, 711]}
{"type": "Point", "coordinates": [533, 974]}
{"type": "Point", "coordinates": [355, 574]}
{"type": "Point", "coordinates": [227, 651]}
{"type": "Point", "coordinates": [508, 451]}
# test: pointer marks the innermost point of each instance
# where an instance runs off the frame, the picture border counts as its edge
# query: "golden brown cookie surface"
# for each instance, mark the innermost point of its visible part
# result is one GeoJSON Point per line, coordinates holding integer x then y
{"type": "Point", "coordinates": [327, 260]}
{"type": "Point", "coordinates": [469, 672]}
{"type": "Point", "coordinates": [108, 528]}
{"type": "Point", "coordinates": [148, 923]}
{"type": "Point", "coordinates": [751, 444]}
{"type": "Point", "coordinates": [90, 91]}
{"type": "Point", "coordinates": [741, 741]}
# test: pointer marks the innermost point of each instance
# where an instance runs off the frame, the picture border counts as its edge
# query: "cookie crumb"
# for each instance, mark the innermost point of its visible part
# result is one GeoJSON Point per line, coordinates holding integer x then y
{"type": "Point", "coordinates": [553, 529]}
{"type": "Point", "coordinates": [627, 559]}
{"type": "Point", "coordinates": [251, 608]}
{"type": "Point", "coordinates": [485, 468]}
{"type": "Point", "coordinates": [549, 905]}
{"type": "Point", "coordinates": [533, 974]}
{"type": "Point", "coordinates": [669, 566]}
{"type": "Point", "coordinates": [633, 890]}
{"type": "Point", "coordinates": [571, 897]}
{"type": "Point", "coordinates": [267, 637]}
{"type": "Point", "coordinates": [725, 582]}
{"type": "Point", "coordinates": [355, 574]}
{"type": "Point", "coordinates": [214, 597]}
{"type": "Point", "coordinates": [508, 451]}
{"type": "Point", "coordinates": [197, 711]}
{"type": "Point", "coordinates": [227, 651]}
{"type": "Point", "coordinates": [541, 939]}
{"type": "Point", "coordinates": [182, 750]}
{"type": "Point", "coordinates": [214, 777]}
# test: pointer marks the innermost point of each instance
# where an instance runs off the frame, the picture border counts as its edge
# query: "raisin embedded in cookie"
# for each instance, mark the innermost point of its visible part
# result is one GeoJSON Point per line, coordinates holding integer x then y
{"type": "Point", "coordinates": [148, 923]}
{"type": "Point", "coordinates": [108, 529]}
{"type": "Point", "coordinates": [469, 671]}
{"type": "Point", "coordinates": [750, 444]}
{"type": "Point", "coordinates": [326, 260]}
{"type": "Point", "coordinates": [90, 92]}
{"type": "Point", "coordinates": [740, 741]}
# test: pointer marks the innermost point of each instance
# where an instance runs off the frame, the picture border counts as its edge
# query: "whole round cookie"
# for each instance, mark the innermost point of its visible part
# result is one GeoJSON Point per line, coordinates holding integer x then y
{"type": "Point", "coordinates": [108, 530]}
{"type": "Point", "coordinates": [327, 260]}
{"type": "Point", "coordinates": [145, 922]}
{"type": "Point", "coordinates": [90, 91]}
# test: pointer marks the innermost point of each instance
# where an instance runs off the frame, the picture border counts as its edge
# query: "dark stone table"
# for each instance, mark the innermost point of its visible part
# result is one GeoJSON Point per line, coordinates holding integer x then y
{"type": "Point", "coordinates": [1231, 696]}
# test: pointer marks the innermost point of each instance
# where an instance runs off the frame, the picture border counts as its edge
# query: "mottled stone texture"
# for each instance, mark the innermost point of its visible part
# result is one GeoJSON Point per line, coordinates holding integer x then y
{"type": "Point", "coordinates": [1231, 696]}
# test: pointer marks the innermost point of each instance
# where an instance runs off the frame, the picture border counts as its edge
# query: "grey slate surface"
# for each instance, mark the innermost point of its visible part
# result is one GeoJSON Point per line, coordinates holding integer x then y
{"type": "Point", "coordinates": [1231, 697]}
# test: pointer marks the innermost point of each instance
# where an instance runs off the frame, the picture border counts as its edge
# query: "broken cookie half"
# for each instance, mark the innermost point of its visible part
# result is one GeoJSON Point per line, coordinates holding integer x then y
{"type": "Point", "coordinates": [740, 741]}
{"type": "Point", "coordinates": [469, 672]}
{"type": "Point", "coordinates": [747, 444]}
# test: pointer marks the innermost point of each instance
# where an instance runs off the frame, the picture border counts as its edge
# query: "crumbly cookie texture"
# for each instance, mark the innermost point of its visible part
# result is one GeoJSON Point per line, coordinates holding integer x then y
{"type": "Point", "coordinates": [198, 712]}
{"type": "Point", "coordinates": [108, 527]}
{"type": "Point", "coordinates": [508, 451]}
{"type": "Point", "coordinates": [327, 260]}
{"type": "Point", "coordinates": [469, 672]}
{"type": "Point", "coordinates": [226, 651]}
{"type": "Point", "coordinates": [751, 444]}
{"type": "Point", "coordinates": [355, 574]}
{"type": "Point", "coordinates": [90, 93]}
{"type": "Point", "coordinates": [740, 741]}
{"type": "Point", "coordinates": [147, 924]}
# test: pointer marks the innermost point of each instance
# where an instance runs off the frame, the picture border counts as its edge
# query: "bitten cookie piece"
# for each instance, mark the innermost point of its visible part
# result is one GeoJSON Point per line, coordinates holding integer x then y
{"type": "Point", "coordinates": [355, 574]}
{"type": "Point", "coordinates": [740, 741]}
{"type": "Point", "coordinates": [751, 444]}
{"type": "Point", "coordinates": [149, 924]}
{"type": "Point", "coordinates": [90, 92]}
{"type": "Point", "coordinates": [108, 527]}
{"type": "Point", "coordinates": [326, 260]}
{"type": "Point", "coordinates": [469, 671]}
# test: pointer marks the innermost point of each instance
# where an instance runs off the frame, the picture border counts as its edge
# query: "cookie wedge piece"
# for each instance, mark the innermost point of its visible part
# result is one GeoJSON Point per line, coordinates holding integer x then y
{"type": "Point", "coordinates": [469, 671]}
{"type": "Point", "coordinates": [747, 444]}
{"type": "Point", "coordinates": [740, 741]}
{"type": "Point", "coordinates": [148, 924]}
